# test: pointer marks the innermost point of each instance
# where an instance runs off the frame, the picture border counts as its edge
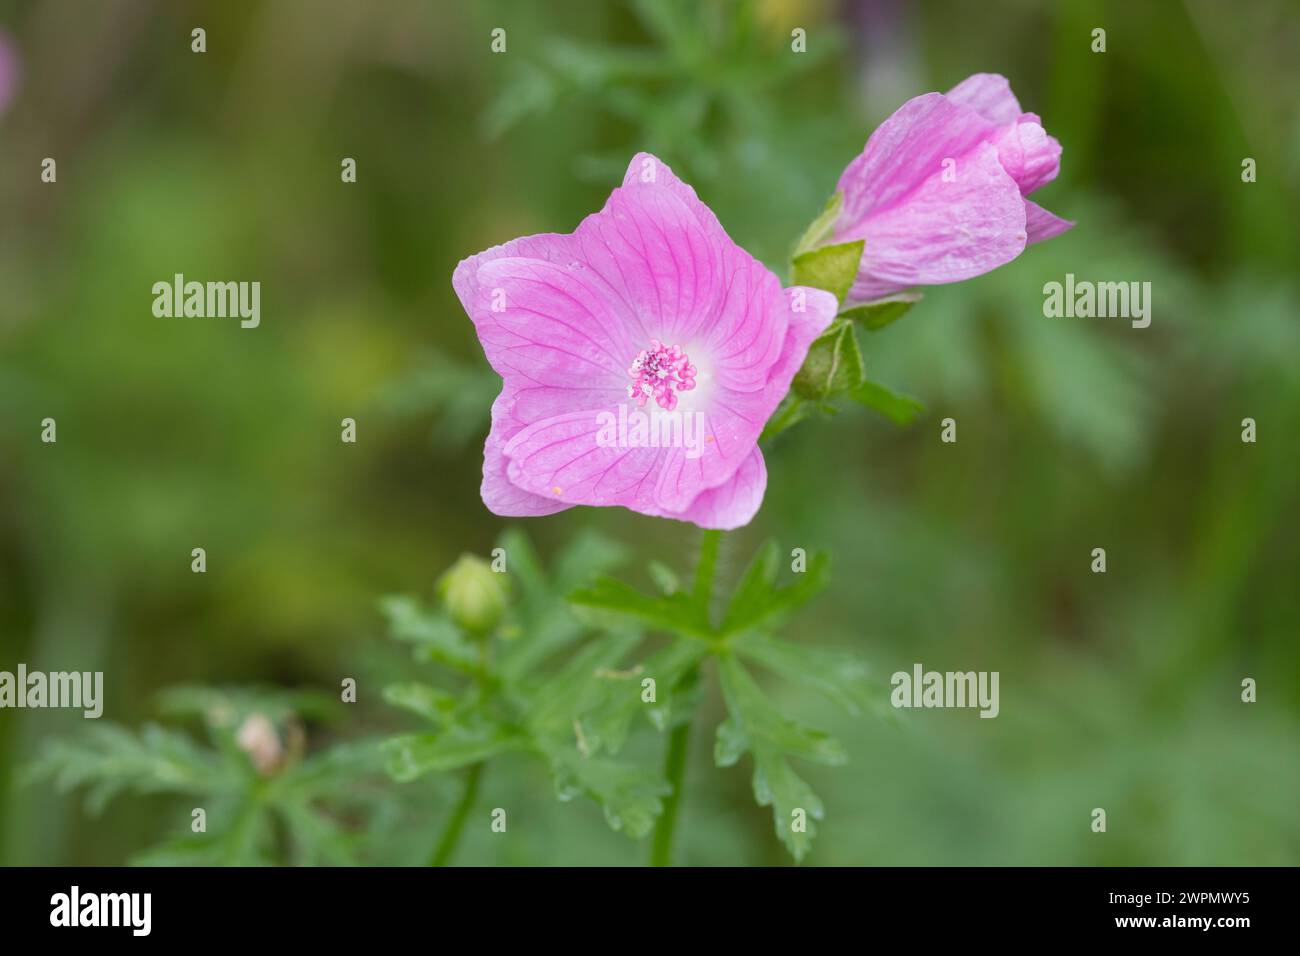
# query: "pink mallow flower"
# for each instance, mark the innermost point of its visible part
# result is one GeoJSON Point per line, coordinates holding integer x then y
{"type": "Point", "coordinates": [647, 305]}
{"type": "Point", "coordinates": [938, 192]}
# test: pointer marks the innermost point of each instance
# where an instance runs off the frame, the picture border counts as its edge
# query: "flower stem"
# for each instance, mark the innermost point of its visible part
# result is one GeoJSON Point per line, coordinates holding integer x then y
{"type": "Point", "coordinates": [706, 565]}
{"type": "Point", "coordinates": [450, 838]}
{"type": "Point", "coordinates": [661, 844]}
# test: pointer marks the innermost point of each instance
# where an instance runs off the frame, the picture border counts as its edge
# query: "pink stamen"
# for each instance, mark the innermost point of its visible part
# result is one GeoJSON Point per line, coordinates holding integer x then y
{"type": "Point", "coordinates": [660, 372]}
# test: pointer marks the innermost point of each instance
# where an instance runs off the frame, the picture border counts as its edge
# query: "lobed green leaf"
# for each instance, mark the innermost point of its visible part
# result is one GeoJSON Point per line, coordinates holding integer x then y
{"type": "Point", "coordinates": [758, 600]}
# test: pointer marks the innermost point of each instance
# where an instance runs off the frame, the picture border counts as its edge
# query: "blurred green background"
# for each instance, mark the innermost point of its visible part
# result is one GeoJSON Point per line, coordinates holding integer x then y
{"type": "Point", "coordinates": [1119, 690]}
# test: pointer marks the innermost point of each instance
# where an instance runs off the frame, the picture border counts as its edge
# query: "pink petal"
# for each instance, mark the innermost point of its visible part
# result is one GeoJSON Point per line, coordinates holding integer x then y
{"type": "Point", "coordinates": [945, 231]}
{"type": "Point", "coordinates": [732, 504]}
{"type": "Point", "coordinates": [1041, 224]}
{"type": "Point", "coordinates": [1031, 156]}
{"type": "Point", "coordinates": [561, 458]}
{"type": "Point", "coordinates": [552, 324]}
{"type": "Point", "coordinates": [818, 311]}
{"type": "Point", "coordinates": [501, 495]}
{"type": "Point", "coordinates": [530, 404]}
{"type": "Point", "coordinates": [905, 153]}
{"type": "Point", "coordinates": [665, 256]}
{"type": "Point", "coordinates": [646, 169]}
{"type": "Point", "coordinates": [551, 247]}
{"type": "Point", "coordinates": [988, 94]}
{"type": "Point", "coordinates": [736, 418]}
{"type": "Point", "coordinates": [749, 331]}
{"type": "Point", "coordinates": [660, 257]}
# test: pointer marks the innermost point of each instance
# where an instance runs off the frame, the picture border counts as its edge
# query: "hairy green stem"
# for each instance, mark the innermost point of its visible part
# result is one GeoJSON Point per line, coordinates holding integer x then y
{"type": "Point", "coordinates": [661, 844]}
{"type": "Point", "coordinates": [707, 564]}
{"type": "Point", "coordinates": [450, 838]}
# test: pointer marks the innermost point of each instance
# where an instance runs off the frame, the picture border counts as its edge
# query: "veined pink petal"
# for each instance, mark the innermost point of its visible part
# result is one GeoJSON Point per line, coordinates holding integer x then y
{"type": "Point", "coordinates": [732, 504]}
{"type": "Point", "coordinates": [552, 324]}
{"type": "Point", "coordinates": [659, 246]}
{"type": "Point", "coordinates": [736, 418]}
{"type": "Point", "coordinates": [751, 329]}
{"type": "Point", "coordinates": [988, 94]}
{"type": "Point", "coordinates": [661, 261]}
{"type": "Point", "coordinates": [561, 458]}
{"type": "Point", "coordinates": [648, 171]}
{"type": "Point", "coordinates": [946, 231]}
{"type": "Point", "coordinates": [501, 495]}
{"type": "Point", "coordinates": [906, 152]}
{"type": "Point", "coordinates": [811, 313]}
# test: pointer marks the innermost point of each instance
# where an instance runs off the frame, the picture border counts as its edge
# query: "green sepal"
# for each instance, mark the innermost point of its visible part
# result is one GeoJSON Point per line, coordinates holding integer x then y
{"type": "Point", "coordinates": [877, 315]}
{"type": "Point", "coordinates": [834, 364]}
{"type": "Point", "coordinates": [832, 268]}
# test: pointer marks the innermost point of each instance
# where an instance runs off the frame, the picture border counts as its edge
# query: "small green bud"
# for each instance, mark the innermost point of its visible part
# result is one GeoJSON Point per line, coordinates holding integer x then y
{"type": "Point", "coordinates": [475, 595]}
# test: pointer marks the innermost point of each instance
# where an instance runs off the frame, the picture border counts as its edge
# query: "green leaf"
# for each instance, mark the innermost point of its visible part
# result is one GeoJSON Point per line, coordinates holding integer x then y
{"type": "Point", "coordinates": [558, 701]}
{"type": "Point", "coordinates": [430, 703]}
{"type": "Point", "coordinates": [436, 637]}
{"type": "Point", "coordinates": [241, 833]}
{"type": "Point", "coordinates": [542, 622]}
{"type": "Point", "coordinates": [777, 786]}
{"type": "Point", "coordinates": [834, 364]}
{"type": "Point", "coordinates": [413, 755]}
{"type": "Point", "coordinates": [879, 314]}
{"type": "Point", "coordinates": [901, 409]}
{"type": "Point", "coordinates": [615, 696]}
{"type": "Point", "coordinates": [832, 268]}
{"type": "Point", "coordinates": [762, 723]}
{"type": "Point", "coordinates": [674, 612]}
{"type": "Point", "coordinates": [754, 725]}
{"type": "Point", "coordinates": [839, 675]}
{"type": "Point", "coordinates": [677, 685]}
{"type": "Point", "coordinates": [249, 814]}
{"type": "Point", "coordinates": [757, 599]}
{"type": "Point", "coordinates": [631, 798]}
{"type": "Point", "coordinates": [109, 759]}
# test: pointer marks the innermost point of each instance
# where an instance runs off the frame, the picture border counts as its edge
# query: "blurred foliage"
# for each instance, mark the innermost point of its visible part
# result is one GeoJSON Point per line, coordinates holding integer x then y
{"type": "Point", "coordinates": [739, 634]}
{"type": "Point", "coordinates": [1119, 690]}
{"type": "Point", "coordinates": [263, 800]}
{"type": "Point", "coordinates": [510, 700]}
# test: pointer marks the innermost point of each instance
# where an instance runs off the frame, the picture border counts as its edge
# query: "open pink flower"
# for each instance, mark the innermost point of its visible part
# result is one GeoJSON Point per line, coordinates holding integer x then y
{"type": "Point", "coordinates": [647, 312]}
{"type": "Point", "coordinates": [938, 192]}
